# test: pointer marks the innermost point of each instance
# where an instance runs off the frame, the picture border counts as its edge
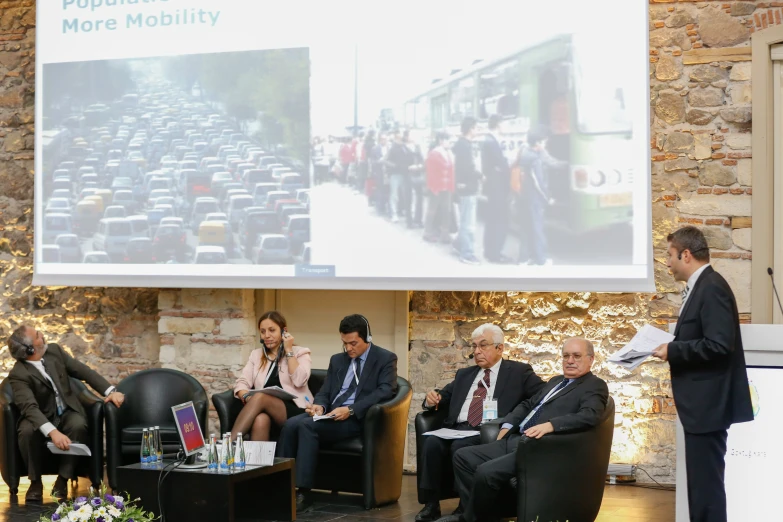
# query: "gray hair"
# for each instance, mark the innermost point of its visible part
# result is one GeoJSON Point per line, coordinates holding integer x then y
{"type": "Point", "coordinates": [588, 345]}
{"type": "Point", "coordinates": [498, 337]}
{"type": "Point", "coordinates": [18, 342]}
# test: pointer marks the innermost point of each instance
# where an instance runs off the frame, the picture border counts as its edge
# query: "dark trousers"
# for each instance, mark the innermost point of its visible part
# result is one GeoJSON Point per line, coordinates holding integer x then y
{"type": "Point", "coordinates": [705, 455]}
{"type": "Point", "coordinates": [412, 200]}
{"type": "Point", "coordinates": [533, 244]}
{"type": "Point", "coordinates": [437, 473]}
{"type": "Point", "coordinates": [301, 438]}
{"type": "Point", "coordinates": [480, 472]}
{"type": "Point", "coordinates": [440, 217]}
{"type": "Point", "coordinates": [32, 444]}
{"type": "Point", "coordinates": [495, 226]}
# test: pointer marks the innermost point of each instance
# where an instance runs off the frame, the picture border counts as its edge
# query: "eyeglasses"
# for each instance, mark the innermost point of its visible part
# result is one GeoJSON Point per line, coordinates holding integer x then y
{"type": "Point", "coordinates": [483, 346]}
{"type": "Point", "coordinates": [576, 356]}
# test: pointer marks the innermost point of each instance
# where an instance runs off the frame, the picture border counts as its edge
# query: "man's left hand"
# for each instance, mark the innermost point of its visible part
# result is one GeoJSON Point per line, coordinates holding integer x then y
{"type": "Point", "coordinates": [662, 352]}
{"type": "Point", "coordinates": [116, 398]}
{"type": "Point", "coordinates": [536, 432]}
{"type": "Point", "coordinates": [341, 413]}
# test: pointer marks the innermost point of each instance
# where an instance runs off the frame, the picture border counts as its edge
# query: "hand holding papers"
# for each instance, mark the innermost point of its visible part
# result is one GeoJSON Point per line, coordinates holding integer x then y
{"type": "Point", "coordinates": [640, 347]}
{"type": "Point", "coordinates": [75, 449]}
{"type": "Point", "coordinates": [322, 417]}
{"type": "Point", "coordinates": [445, 433]}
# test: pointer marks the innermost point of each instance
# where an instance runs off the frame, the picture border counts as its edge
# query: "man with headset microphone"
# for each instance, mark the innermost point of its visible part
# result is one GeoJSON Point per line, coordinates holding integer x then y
{"type": "Point", "coordinates": [49, 406]}
{"type": "Point", "coordinates": [363, 375]}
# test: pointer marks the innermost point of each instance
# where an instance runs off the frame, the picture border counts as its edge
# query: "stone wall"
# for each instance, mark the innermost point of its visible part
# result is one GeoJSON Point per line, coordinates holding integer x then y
{"type": "Point", "coordinates": [701, 99]}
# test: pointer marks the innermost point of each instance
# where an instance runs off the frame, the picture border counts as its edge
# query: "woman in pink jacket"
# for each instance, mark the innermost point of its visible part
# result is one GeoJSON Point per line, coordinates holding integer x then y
{"type": "Point", "coordinates": [277, 363]}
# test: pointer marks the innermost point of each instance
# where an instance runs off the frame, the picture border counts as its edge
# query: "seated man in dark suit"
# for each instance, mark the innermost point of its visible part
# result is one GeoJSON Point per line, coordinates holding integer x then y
{"type": "Point", "coordinates": [574, 402]}
{"type": "Point", "coordinates": [506, 382]}
{"type": "Point", "coordinates": [363, 375]}
{"type": "Point", "coordinates": [49, 407]}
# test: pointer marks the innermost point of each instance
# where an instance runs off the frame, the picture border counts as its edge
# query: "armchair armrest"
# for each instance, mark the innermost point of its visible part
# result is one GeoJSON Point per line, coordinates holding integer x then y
{"type": "Point", "coordinates": [227, 407]}
{"type": "Point", "coordinates": [490, 431]}
{"type": "Point", "coordinates": [10, 466]}
{"type": "Point", "coordinates": [429, 420]}
{"type": "Point", "coordinates": [94, 409]}
{"type": "Point", "coordinates": [383, 443]}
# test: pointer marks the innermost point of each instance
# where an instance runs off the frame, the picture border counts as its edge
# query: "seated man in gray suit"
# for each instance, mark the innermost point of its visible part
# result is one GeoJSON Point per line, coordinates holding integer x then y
{"type": "Point", "coordinates": [572, 402]}
{"type": "Point", "coordinates": [49, 407]}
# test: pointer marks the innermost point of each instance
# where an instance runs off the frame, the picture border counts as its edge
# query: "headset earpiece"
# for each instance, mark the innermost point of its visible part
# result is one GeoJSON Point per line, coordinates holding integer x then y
{"type": "Point", "coordinates": [369, 333]}
{"type": "Point", "coordinates": [30, 350]}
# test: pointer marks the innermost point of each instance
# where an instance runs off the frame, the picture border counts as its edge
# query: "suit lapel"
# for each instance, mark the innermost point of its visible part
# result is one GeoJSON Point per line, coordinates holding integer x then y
{"type": "Point", "coordinates": [369, 364]}
{"type": "Point", "coordinates": [503, 374]}
{"type": "Point", "coordinates": [37, 375]}
{"type": "Point", "coordinates": [691, 298]}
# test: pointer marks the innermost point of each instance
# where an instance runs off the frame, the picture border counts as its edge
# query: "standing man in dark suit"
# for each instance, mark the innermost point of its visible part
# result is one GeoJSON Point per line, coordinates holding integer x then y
{"type": "Point", "coordinates": [574, 402]}
{"type": "Point", "coordinates": [497, 176]}
{"type": "Point", "coordinates": [49, 407]}
{"type": "Point", "coordinates": [363, 375]}
{"type": "Point", "coordinates": [709, 379]}
{"type": "Point", "coordinates": [494, 378]}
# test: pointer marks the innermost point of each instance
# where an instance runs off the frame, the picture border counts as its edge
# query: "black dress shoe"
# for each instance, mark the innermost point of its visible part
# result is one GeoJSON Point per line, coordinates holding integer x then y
{"type": "Point", "coordinates": [451, 518]}
{"type": "Point", "coordinates": [35, 492]}
{"type": "Point", "coordinates": [429, 513]}
{"type": "Point", "coordinates": [303, 502]}
{"type": "Point", "coordinates": [60, 489]}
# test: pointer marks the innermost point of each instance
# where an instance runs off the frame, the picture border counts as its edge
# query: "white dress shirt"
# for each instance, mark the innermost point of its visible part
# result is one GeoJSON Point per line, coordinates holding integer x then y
{"type": "Point", "coordinates": [48, 427]}
{"type": "Point", "coordinates": [493, 379]}
{"type": "Point", "coordinates": [691, 283]}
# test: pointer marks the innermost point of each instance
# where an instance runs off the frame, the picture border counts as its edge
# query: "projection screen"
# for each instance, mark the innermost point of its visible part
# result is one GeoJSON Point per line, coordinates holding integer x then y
{"type": "Point", "coordinates": [425, 145]}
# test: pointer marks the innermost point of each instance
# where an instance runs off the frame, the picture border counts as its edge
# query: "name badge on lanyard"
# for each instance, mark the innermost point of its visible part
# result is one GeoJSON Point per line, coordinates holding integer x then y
{"type": "Point", "coordinates": [490, 406]}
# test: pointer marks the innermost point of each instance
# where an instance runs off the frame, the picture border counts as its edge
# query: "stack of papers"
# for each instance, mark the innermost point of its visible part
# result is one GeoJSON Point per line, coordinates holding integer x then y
{"type": "Point", "coordinates": [74, 449]}
{"type": "Point", "coordinates": [445, 433]}
{"type": "Point", "coordinates": [640, 347]}
{"type": "Point", "coordinates": [322, 417]}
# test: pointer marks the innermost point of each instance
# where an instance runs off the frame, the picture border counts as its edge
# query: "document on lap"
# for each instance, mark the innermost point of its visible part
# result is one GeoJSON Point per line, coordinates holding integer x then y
{"type": "Point", "coordinates": [76, 449]}
{"type": "Point", "coordinates": [275, 391]}
{"type": "Point", "coordinates": [322, 417]}
{"type": "Point", "coordinates": [445, 433]}
{"type": "Point", "coordinates": [640, 347]}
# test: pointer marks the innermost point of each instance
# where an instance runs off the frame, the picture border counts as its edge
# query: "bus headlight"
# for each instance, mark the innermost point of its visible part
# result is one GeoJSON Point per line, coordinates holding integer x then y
{"type": "Point", "coordinates": [613, 176]}
{"type": "Point", "coordinates": [597, 178]}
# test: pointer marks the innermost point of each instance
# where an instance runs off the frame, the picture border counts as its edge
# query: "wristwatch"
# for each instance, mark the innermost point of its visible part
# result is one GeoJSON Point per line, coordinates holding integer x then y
{"type": "Point", "coordinates": [245, 396]}
{"type": "Point", "coordinates": [289, 354]}
{"type": "Point", "coordinates": [350, 411]}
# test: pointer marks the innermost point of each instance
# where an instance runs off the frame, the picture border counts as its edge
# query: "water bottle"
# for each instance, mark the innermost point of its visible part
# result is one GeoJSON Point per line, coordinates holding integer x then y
{"type": "Point", "coordinates": [213, 459]}
{"type": "Point", "coordinates": [153, 454]}
{"type": "Point", "coordinates": [145, 448]}
{"type": "Point", "coordinates": [158, 445]}
{"type": "Point", "coordinates": [230, 452]}
{"type": "Point", "coordinates": [225, 451]}
{"type": "Point", "coordinates": [239, 456]}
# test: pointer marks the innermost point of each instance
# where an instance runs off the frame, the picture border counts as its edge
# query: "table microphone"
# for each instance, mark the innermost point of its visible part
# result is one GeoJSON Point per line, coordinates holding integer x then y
{"type": "Point", "coordinates": [772, 277]}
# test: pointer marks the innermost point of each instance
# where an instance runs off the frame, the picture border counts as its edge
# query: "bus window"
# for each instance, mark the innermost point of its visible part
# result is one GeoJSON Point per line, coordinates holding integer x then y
{"type": "Point", "coordinates": [499, 90]}
{"type": "Point", "coordinates": [440, 111]}
{"type": "Point", "coordinates": [463, 94]}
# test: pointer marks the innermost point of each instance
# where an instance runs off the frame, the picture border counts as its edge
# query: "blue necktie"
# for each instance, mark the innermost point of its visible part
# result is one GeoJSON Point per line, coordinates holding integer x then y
{"type": "Point", "coordinates": [351, 387]}
{"type": "Point", "coordinates": [534, 419]}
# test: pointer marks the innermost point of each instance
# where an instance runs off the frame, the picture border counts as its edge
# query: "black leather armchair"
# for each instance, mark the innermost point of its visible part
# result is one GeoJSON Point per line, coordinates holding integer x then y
{"type": "Point", "coordinates": [559, 477]}
{"type": "Point", "coordinates": [12, 466]}
{"type": "Point", "coordinates": [370, 464]}
{"type": "Point", "coordinates": [429, 421]}
{"type": "Point", "coordinates": [149, 396]}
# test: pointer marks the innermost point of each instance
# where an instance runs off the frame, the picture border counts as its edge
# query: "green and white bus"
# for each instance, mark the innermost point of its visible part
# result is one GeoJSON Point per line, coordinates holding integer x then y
{"type": "Point", "coordinates": [579, 94]}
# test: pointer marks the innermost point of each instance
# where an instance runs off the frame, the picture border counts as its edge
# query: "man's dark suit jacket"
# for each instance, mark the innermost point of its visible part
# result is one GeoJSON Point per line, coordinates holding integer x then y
{"type": "Point", "coordinates": [465, 172]}
{"type": "Point", "coordinates": [578, 407]}
{"type": "Point", "coordinates": [516, 382]}
{"type": "Point", "coordinates": [377, 382]}
{"type": "Point", "coordinates": [707, 361]}
{"type": "Point", "coordinates": [33, 393]}
{"type": "Point", "coordinates": [495, 168]}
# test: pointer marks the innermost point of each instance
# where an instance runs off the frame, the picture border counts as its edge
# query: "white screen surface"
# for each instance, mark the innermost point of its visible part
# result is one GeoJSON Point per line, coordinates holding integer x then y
{"type": "Point", "coordinates": [754, 456]}
{"type": "Point", "coordinates": [127, 90]}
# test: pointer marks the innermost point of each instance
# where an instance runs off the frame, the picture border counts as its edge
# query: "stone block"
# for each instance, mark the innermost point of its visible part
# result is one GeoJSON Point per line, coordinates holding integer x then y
{"type": "Point", "coordinates": [719, 29]}
{"type": "Point", "coordinates": [738, 141]}
{"type": "Point", "coordinates": [670, 107]}
{"type": "Point", "coordinates": [699, 117]}
{"type": "Point", "coordinates": [717, 238]}
{"type": "Point", "coordinates": [668, 68]}
{"type": "Point", "coordinates": [737, 114]}
{"type": "Point", "coordinates": [712, 205]}
{"type": "Point", "coordinates": [744, 173]}
{"type": "Point", "coordinates": [167, 353]}
{"type": "Point", "coordinates": [737, 273]}
{"type": "Point", "coordinates": [740, 72]}
{"type": "Point", "coordinates": [702, 148]}
{"type": "Point", "coordinates": [206, 300]}
{"type": "Point", "coordinates": [678, 142]}
{"type": "Point", "coordinates": [742, 8]}
{"type": "Point", "coordinates": [681, 163]}
{"type": "Point", "coordinates": [432, 331]}
{"type": "Point", "coordinates": [708, 97]}
{"type": "Point", "coordinates": [215, 354]}
{"type": "Point", "coordinates": [680, 18]}
{"type": "Point", "coordinates": [186, 325]}
{"type": "Point", "coordinates": [167, 299]}
{"type": "Point", "coordinates": [714, 173]}
{"type": "Point", "coordinates": [742, 93]}
{"type": "Point", "coordinates": [707, 73]}
{"type": "Point", "coordinates": [741, 238]}
{"type": "Point", "coordinates": [237, 327]}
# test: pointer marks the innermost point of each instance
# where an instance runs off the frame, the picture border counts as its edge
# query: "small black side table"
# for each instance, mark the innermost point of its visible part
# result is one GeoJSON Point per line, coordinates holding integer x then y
{"type": "Point", "coordinates": [258, 493]}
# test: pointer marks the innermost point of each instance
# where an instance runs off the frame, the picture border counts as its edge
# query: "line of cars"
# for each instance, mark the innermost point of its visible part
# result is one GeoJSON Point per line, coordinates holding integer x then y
{"type": "Point", "coordinates": [166, 179]}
